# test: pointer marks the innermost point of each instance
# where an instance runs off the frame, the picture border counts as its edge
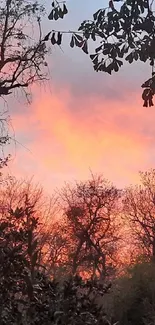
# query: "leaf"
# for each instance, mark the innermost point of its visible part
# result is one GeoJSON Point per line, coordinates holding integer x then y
{"type": "Point", "coordinates": [142, 8]}
{"type": "Point", "coordinates": [96, 14]}
{"type": "Point", "coordinates": [129, 58]}
{"type": "Point", "coordinates": [77, 43]}
{"type": "Point", "coordinates": [85, 47]}
{"type": "Point", "coordinates": [116, 66]}
{"type": "Point", "coordinates": [93, 36]}
{"type": "Point", "coordinates": [135, 56]}
{"type": "Point", "coordinates": [94, 58]}
{"type": "Point", "coordinates": [110, 67]}
{"type": "Point", "coordinates": [61, 14]}
{"type": "Point", "coordinates": [105, 51]}
{"type": "Point", "coordinates": [65, 10]}
{"type": "Point", "coordinates": [53, 40]}
{"type": "Point", "coordinates": [119, 62]}
{"type": "Point", "coordinates": [80, 38]}
{"type": "Point", "coordinates": [98, 48]}
{"type": "Point", "coordinates": [46, 38]}
{"type": "Point", "coordinates": [51, 15]}
{"type": "Point", "coordinates": [72, 43]}
{"type": "Point", "coordinates": [56, 14]}
{"type": "Point", "coordinates": [152, 62]}
{"type": "Point", "coordinates": [124, 50]}
{"type": "Point", "coordinates": [59, 38]}
{"type": "Point", "coordinates": [111, 5]}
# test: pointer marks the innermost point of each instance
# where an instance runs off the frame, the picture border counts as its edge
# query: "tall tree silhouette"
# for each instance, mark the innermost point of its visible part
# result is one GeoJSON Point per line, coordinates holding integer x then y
{"type": "Point", "coordinates": [93, 228]}
{"type": "Point", "coordinates": [139, 208]}
{"type": "Point", "coordinates": [22, 52]}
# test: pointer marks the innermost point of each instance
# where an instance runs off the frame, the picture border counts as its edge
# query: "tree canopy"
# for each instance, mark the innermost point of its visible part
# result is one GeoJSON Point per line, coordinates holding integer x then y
{"type": "Point", "coordinates": [122, 32]}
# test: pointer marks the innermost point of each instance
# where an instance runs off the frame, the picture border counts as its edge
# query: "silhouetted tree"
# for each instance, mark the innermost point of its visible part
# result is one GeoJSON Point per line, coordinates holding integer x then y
{"type": "Point", "coordinates": [13, 194]}
{"type": "Point", "coordinates": [132, 299]}
{"type": "Point", "coordinates": [27, 295]}
{"type": "Point", "coordinates": [139, 208]}
{"type": "Point", "coordinates": [91, 210]}
{"type": "Point", "coordinates": [22, 52]}
{"type": "Point", "coordinates": [22, 56]}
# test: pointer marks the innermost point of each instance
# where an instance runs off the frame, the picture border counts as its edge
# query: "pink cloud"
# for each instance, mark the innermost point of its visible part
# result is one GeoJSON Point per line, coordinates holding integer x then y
{"type": "Point", "coordinates": [70, 137]}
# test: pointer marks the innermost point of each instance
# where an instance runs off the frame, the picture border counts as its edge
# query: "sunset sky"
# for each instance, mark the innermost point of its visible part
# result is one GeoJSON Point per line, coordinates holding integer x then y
{"type": "Point", "coordinates": [81, 120]}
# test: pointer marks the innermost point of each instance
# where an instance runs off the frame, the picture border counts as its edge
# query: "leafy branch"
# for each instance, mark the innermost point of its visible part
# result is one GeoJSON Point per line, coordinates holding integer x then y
{"type": "Point", "coordinates": [122, 35]}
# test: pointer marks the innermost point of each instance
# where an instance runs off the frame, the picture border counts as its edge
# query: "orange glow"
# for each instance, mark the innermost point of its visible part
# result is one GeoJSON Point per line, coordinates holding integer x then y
{"type": "Point", "coordinates": [68, 137]}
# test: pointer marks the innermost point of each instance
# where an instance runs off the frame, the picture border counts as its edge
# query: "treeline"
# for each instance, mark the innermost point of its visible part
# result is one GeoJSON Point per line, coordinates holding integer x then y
{"type": "Point", "coordinates": [85, 254]}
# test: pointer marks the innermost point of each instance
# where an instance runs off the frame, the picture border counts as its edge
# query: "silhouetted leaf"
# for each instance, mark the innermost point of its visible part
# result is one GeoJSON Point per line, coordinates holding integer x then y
{"type": "Point", "coordinates": [56, 13]}
{"type": "Point", "coordinates": [95, 15]}
{"type": "Point", "coordinates": [135, 56]}
{"type": "Point", "coordinates": [72, 43]}
{"type": "Point", "coordinates": [53, 40]}
{"type": "Point", "coordinates": [61, 14]}
{"type": "Point", "coordinates": [94, 58]}
{"type": "Point", "coordinates": [65, 10]}
{"type": "Point", "coordinates": [99, 48]}
{"type": "Point", "coordinates": [93, 36]}
{"type": "Point", "coordinates": [116, 66]}
{"type": "Point", "coordinates": [110, 67]}
{"type": "Point", "coordinates": [77, 42]}
{"type": "Point", "coordinates": [51, 15]}
{"type": "Point", "coordinates": [119, 62]}
{"type": "Point", "coordinates": [79, 37]}
{"type": "Point", "coordinates": [129, 58]}
{"type": "Point", "coordinates": [59, 38]}
{"type": "Point", "coordinates": [85, 47]}
{"type": "Point", "coordinates": [47, 37]}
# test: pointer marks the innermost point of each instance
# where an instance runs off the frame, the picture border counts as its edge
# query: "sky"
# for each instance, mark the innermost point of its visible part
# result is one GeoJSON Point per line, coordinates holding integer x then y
{"type": "Point", "coordinates": [80, 120]}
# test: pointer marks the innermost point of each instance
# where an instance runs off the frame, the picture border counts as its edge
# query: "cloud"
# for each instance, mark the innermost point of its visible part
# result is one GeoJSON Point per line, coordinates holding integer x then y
{"type": "Point", "coordinates": [68, 136]}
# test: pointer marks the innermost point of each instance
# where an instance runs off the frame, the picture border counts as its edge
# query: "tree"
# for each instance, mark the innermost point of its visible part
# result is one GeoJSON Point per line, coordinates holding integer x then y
{"type": "Point", "coordinates": [22, 52]}
{"type": "Point", "coordinates": [139, 209]}
{"type": "Point", "coordinates": [13, 194]}
{"type": "Point", "coordinates": [132, 300]}
{"type": "Point", "coordinates": [123, 33]}
{"type": "Point", "coordinates": [28, 295]}
{"type": "Point", "coordinates": [18, 259]}
{"type": "Point", "coordinates": [91, 210]}
{"type": "Point", "coordinates": [22, 58]}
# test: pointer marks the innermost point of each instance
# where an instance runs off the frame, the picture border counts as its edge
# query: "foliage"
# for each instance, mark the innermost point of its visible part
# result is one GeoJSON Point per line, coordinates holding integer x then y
{"type": "Point", "coordinates": [27, 295]}
{"type": "Point", "coordinates": [139, 208]}
{"type": "Point", "coordinates": [18, 256]}
{"type": "Point", "coordinates": [59, 10]}
{"type": "Point", "coordinates": [91, 210]}
{"type": "Point", "coordinates": [122, 33]}
{"type": "Point", "coordinates": [22, 57]}
{"type": "Point", "coordinates": [132, 300]}
{"type": "Point", "coordinates": [22, 53]}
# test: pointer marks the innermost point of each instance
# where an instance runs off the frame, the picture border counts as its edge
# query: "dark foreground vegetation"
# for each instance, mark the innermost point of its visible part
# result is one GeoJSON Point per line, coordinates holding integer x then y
{"type": "Point", "coordinates": [84, 256]}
